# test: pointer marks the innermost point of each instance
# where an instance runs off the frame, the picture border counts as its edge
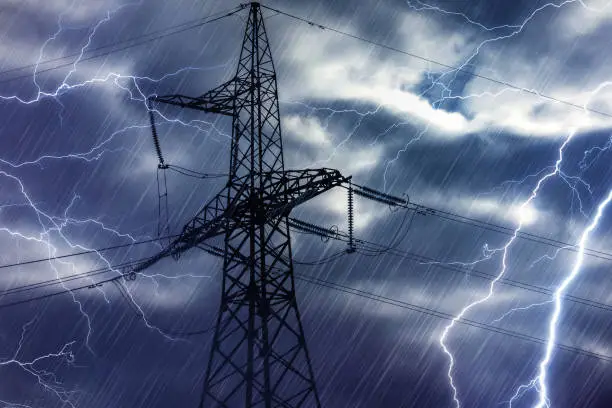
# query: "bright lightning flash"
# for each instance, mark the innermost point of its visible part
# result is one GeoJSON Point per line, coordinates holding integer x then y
{"type": "Point", "coordinates": [504, 251]}
{"type": "Point", "coordinates": [53, 226]}
{"type": "Point", "coordinates": [560, 292]}
{"type": "Point", "coordinates": [525, 214]}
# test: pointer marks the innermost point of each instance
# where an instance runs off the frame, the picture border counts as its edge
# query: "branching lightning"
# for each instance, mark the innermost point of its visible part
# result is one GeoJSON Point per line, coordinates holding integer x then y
{"type": "Point", "coordinates": [573, 182]}
{"type": "Point", "coordinates": [504, 265]}
{"type": "Point", "coordinates": [543, 400]}
{"type": "Point", "coordinates": [420, 6]}
{"type": "Point", "coordinates": [45, 378]}
{"type": "Point", "coordinates": [519, 309]}
{"type": "Point", "coordinates": [53, 226]}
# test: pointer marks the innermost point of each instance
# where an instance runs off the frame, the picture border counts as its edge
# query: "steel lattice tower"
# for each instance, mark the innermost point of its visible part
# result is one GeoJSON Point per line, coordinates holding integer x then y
{"type": "Point", "coordinates": [259, 356]}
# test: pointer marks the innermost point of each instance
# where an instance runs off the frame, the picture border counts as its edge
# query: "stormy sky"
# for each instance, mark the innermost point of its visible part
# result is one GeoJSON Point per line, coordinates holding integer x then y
{"type": "Point", "coordinates": [495, 110]}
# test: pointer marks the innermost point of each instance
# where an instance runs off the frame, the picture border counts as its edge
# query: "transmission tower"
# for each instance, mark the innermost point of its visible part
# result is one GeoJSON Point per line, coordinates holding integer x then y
{"type": "Point", "coordinates": [259, 356]}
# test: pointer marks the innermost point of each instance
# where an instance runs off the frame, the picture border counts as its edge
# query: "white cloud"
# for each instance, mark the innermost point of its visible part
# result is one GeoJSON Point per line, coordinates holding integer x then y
{"type": "Point", "coordinates": [338, 69]}
{"type": "Point", "coordinates": [331, 67]}
{"type": "Point", "coordinates": [328, 148]}
{"type": "Point", "coordinates": [485, 207]}
{"type": "Point", "coordinates": [307, 130]}
{"type": "Point", "coordinates": [512, 213]}
{"type": "Point", "coordinates": [585, 18]}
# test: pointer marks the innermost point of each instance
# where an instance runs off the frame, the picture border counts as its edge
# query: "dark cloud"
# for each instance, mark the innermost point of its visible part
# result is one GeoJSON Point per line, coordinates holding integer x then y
{"type": "Point", "coordinates": [365, 354]}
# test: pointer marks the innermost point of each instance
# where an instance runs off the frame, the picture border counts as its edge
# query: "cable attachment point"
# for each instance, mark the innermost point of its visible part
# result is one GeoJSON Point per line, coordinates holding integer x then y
{"type": "Point", "coordinates": [129, 276]}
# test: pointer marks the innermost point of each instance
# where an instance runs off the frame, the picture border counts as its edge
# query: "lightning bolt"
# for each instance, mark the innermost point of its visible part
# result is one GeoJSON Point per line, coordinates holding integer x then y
{"type": "Point", "coordinates": [573, 182]}
{"type": "Point", "coordinates": [399, 152]}
{"type": "Point", "coordinates": [45, 378]}
{"type": "Point", "coordinates": [596, 151]}
{"type": "Point", "coordinates": [519, 309]}
{"type": "Point", "coordinates": [540, 381]}
{"type": "Point", "coordinates": [52, 227]}
{"type": "Point", "coordinates": [420, 6]}
{"type": "Point", "coordinates": [504, 262]}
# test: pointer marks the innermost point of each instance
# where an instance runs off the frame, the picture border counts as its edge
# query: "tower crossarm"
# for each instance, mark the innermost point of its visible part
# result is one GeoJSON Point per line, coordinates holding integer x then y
{"type": "Point", "coordinates": [219, 100]}
{"type": "Point", "coordinates": [294, 187]}
{"type": "Point", "coordinates": [214, 219]}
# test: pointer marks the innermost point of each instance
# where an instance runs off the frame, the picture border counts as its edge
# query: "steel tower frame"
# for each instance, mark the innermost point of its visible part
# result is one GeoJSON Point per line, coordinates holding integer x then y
{"type": "Point", "coordinates": [259, 356]}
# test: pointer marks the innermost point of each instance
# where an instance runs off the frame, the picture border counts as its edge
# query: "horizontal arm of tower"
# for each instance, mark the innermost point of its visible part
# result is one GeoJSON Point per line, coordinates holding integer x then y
{"type": "Point", "coordinates": [213, 220]}
{"type": "Point", "coordinates": [293, 187]}
{"type": "Point", "coordinates": [218, 100]}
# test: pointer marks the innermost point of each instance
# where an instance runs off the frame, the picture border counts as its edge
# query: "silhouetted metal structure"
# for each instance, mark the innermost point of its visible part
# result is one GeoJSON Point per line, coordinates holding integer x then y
{"type": "Point", "coordinates": [259, 356]}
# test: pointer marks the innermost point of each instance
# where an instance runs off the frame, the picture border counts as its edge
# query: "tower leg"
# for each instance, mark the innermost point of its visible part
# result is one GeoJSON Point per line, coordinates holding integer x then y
{"type": "Point", "coordinates": [259, 356]}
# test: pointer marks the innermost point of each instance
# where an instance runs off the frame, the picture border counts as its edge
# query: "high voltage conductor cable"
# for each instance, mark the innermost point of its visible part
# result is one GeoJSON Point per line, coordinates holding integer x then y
{"type": "Point", "coordinates": [195, 174]}
{"type": "Point", "coordinates": [125, 295]}
{"type": "Point", "coordinates": [50, 295]}
{"type": "Point", "coordinates": [523, 235]}
{"type": "Point", "coordinates": [188, 333]}
{"type": "Point", "coordinates": [437, 263]}
{"type": "Point", "coordinates": [397, 240]}
{"type": "Point", "coordinates": [489, 226]}
{"type": "Point", "coordinates": [429, 60]}
{"type": "Point", "coordinates": [112, 51]}
{"type": "Point", "coordinates": [90, 251]}
{"type": "Point", "coordinates": [446, 316]}
{"type": "Point", "coordinates": [361, 293]}
{"type": "Point", "coordinates": [322, 261]}
{"type": "Point", "coordinates": [377, 249]}
{"type": "Point", "coordinates": [102, 47]}
{"type": "Point", "coordinates": [69, 278]}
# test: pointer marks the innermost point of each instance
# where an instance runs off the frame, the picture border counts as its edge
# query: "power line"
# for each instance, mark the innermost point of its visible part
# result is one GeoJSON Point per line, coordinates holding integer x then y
{"type": "Point", "coordinates": [509, 231]}
{"type": "Point", "coordinates": [89, 274]}
{"type": "Point", "coordinates": [446, 316]}
{"type": "Point", "coordinates": [61, 280]}
{"type": "Point", "coordinates": [193, 173]}
{"type": "Point", "coordinates": [207, 20]}
{"type": "Point", "coordinates": [489, 226]}
{"type": "Point", "coordinates": [437, 263]}
{"type": "Point", "coordinates": [90, 50]}
{"type": "Point", "coordinates": [50, 295]}
{"type": "Point", "coordinates": [323, 261]}
{"type": "Point", "coordinates": [90, 251]}
{"type": "Point", "coordinates": [188, 333]}
{"type": "Point", "coordinates": [377, 249]}
{"type": "Point", "coordinates": [429, 60]}
{"type": "Point", "coordinates": [357, 292]}
{"type": "Point", "coordinates": [126, 297]}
